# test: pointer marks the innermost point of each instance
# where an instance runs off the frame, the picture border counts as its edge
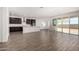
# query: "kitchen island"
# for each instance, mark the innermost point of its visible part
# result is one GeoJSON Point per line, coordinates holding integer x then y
{"type": "Point", "coordinates": [29, 29]}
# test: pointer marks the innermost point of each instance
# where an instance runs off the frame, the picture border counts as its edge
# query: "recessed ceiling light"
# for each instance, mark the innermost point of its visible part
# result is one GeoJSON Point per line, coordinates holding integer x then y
{"type": "Point", "coordinates": [41, 7]}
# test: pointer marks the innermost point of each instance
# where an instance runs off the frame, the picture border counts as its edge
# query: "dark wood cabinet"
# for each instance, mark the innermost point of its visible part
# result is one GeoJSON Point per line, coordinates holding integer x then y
{"type": "Point", "coordinates": [16, 29]}
{"type": "Point", "coordinates": [15, 20]}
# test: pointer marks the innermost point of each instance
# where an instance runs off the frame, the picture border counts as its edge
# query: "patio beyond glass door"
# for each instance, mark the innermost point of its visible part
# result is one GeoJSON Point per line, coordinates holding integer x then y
{"type": "Point", "coordinates": [59, 25]}
{"type": "Point", "coordinates": [74, 25]}
{"type": "Point", "coordinates": [65, 25]}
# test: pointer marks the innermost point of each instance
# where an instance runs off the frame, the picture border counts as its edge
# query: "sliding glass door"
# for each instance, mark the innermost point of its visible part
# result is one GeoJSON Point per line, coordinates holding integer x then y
{"type": "Point", "coordinates": [74, 25]}
{"type": "Point", "coordinates": [66, 25]}
{"type": "Point", "coordinates": [59, 25]}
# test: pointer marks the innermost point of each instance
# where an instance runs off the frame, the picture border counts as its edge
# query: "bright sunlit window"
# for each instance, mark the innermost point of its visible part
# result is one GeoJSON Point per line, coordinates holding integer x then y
{"type": "Point", "coordinates": [74, 25]}
{"type": "Point", "coordinates": [59, 25]}
{"type": "Point", "coordinates": [66, 25]}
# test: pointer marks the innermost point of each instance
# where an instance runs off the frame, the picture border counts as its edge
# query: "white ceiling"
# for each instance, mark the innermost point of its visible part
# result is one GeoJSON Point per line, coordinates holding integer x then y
{"type": "Point", "coordinates": [40, 12]}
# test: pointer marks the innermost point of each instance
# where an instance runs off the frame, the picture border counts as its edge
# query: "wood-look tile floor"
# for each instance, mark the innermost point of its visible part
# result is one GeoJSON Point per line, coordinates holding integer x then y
{"type": "Point", "coordinates": [41, 41]}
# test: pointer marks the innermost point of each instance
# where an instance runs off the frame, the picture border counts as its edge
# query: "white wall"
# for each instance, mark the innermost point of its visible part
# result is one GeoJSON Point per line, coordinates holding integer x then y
{"type": "Point", "coordinates": [39, 22]}
{"type": "Point", "coordinates": [0, 25]}
{"type": "Point", "coordinates": [43, 23]}
{"type": "Point", "coordinates": [4, 21]}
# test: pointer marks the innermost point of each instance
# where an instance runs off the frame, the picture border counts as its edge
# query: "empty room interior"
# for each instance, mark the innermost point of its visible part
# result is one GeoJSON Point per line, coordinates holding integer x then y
{"type": "Point", "coordinates": [39, 28]}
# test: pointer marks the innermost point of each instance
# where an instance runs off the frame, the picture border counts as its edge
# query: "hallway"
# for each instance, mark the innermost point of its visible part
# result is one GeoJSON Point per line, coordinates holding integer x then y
{"type": "Point", "coordinates": [43, 40]}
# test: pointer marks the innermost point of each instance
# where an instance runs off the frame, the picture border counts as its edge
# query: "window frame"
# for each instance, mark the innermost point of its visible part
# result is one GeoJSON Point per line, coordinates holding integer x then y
{"type": "Point", "coordinates": [69, 24]}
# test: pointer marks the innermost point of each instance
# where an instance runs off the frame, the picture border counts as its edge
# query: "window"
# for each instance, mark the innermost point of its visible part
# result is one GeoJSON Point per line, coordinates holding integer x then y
{"type": "Point", "coordinates": [31, 22]}
{"type": "Point", "coordinates": [59, 29]}
{"type": "Point", "coordinates": [54, 22]}
{"type": "Point", "coordinates": [59, 21]}
{"type": "Point", "coordinates": [74, 25]}
{"type": "Point", "coordinates": [59, 25]}
{"type": "Point", "coordinates": [66, 30]}
{"type": "Point", "coordinates": [66, 21]}
{"type": "Point", "coordinates": [66, 25]}
{"type": "Point", "coordinates": [74, 20]}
